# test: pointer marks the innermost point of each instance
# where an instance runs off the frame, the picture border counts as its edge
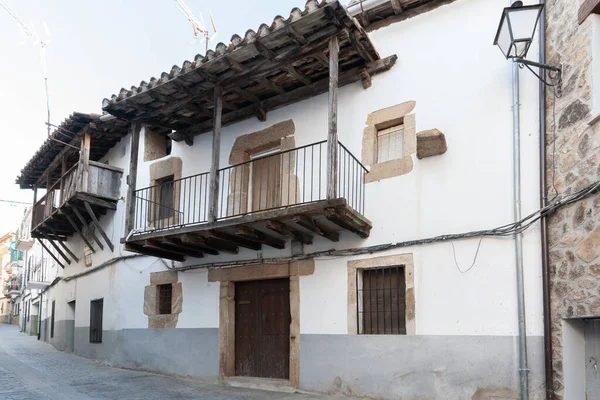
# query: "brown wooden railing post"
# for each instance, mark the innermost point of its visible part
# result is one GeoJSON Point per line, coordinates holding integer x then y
{"type": "Point", "coordinates": [332, 136]}
{"type": "Point", "coordinates": [213, 194]}
{"type": "Point", "coordinates": [84, 162]}
{"type": "Point", "coordinates": [132, 177]}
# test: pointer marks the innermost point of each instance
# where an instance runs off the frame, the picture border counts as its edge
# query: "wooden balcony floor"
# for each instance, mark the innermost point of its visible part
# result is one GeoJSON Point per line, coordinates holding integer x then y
{"type": "Point", "coordinates": [273, 228]}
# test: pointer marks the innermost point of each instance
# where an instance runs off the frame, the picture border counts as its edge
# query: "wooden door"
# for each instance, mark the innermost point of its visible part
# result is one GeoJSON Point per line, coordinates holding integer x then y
{"type": "Point", "coordinates": [262, 328]}
{"type": "Point", "coordinates": [266, 183]}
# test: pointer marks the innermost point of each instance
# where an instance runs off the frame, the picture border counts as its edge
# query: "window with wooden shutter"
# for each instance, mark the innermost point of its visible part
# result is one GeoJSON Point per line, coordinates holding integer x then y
{"type": "Point", "coordinates": [381, 301]}
{"type": "Point", "coordinates": [390, 143]}
{"type": "Point", "coordinates": [96, 311]}
{"type": "Point", "coordinates": [165, 294]}
{"type": "Point", "coordinates": [166, 197]}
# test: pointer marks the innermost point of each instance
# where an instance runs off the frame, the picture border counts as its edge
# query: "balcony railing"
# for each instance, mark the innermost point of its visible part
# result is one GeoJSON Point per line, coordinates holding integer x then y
{"type": "Point", "coordinates": [40, 270]}
{"type": "Point", "coordinates": [283, 179]}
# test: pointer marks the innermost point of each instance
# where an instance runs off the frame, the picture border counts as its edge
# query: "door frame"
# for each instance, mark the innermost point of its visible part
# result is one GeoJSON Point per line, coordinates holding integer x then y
{"type": "Point", "coordinates": [227, 277]}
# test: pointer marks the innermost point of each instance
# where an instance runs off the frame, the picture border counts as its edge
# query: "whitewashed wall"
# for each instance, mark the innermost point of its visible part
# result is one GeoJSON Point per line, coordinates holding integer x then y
{"type": "Point", "coordinates": [462, 86]}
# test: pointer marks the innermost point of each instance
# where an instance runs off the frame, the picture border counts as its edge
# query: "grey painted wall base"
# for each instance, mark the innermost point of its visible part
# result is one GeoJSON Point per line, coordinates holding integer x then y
{"type": "Point", "coordinates": [183, 352]}
{"type": "Point", "coordinates": [419, 367]}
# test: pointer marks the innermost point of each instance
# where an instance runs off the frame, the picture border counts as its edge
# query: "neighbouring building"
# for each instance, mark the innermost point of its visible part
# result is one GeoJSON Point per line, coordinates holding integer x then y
{"type": "Point", "coordinates": [280, 208]}
{"type": "Point", "coordinates": [6, 277]}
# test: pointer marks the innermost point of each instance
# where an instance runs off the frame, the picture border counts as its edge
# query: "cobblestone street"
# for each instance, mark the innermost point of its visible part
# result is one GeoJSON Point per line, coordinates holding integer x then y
{"type": "Point", "coordinates": [33, 370]}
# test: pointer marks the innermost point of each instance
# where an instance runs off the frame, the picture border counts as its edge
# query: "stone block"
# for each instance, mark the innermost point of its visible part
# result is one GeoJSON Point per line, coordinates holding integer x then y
{"type": "Point", "coordinates": [430, 143]}
{"type": "Point", "coordinates": [177, 298]}
{"type": "Point", "coordinates": [588, 249]}
{"type": "Point", "coordinates": [163, 277]}
{"type": "Point", "coordinates": [164, 321]}
{"type": "Point", "coordinates": [150, 300]}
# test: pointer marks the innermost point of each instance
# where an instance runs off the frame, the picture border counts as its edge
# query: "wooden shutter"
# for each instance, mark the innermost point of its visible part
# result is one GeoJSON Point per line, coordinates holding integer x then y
{"type": "Point", "coordinates": [96, 311]}
{"type": "Point", "coordinates": [390, 143]}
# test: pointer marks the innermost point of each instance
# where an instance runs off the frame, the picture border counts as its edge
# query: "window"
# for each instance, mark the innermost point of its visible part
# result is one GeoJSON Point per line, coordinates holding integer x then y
{"type": "Point", "coordinates": [96, 310]}
{"type": "Point", "coordinates": [390, 143]}
{"type": "Point", "coordinates": [165, 294]}
{"type": "Point", "coordinates": [27, 310]}
{"type": "Point", "coordinates": [381, 301]}
{"type": "Point", "coordinates": [166, 197]}
{"type": "Point", "coordinates": [52, 319]}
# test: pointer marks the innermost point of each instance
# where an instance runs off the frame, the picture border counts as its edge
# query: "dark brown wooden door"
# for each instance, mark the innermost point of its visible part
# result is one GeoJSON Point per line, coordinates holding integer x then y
{"type": "Point", "coordinates": [262, 328]}
{"type": "Point", "coordinates": [266, 183]}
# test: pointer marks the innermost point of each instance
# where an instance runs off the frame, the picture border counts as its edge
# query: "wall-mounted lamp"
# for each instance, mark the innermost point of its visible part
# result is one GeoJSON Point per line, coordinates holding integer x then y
{"type": "Point", "coordinates": [515, 34]}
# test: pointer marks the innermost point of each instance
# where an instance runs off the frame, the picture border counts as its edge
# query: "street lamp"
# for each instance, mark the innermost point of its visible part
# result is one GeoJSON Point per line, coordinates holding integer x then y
{"type": "Point", "coordinates": [515, 34]}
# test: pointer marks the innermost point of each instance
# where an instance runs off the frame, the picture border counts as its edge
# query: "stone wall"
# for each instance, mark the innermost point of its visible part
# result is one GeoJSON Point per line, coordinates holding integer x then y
{"type": "Point", "coordinates": [574, 231]}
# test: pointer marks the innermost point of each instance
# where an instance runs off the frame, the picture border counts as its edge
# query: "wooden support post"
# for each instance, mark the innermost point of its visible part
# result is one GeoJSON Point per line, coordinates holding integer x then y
{"type": "Point", "coordinates": [132, 177]}
{"type": "Point", "coordinates": [74, 225]}
{"type": "Point", "coordinates": [51, 254]}
{"type": "Point", "coordinates": [84, 162]}
{"type": "Point", "coordinates": [58, 250]}
{"type": "Point", "coordinates": [95, 221]}
{"type": "Point", "coordinates": [332, 137]}
{"type": "Point", "coordinates": [64, 246]}
{"type": "Point", "coordinates": [63, 170]}
{"type": "Point", "coordinates": [213, 194]}
{"type": "Point", "coordinates": [86, 225]}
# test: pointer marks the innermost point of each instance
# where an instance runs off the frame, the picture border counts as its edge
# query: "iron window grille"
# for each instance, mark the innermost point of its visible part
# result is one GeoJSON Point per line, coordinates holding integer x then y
{"type": "Point", "coordinates": [165, 294]}
{"type": "Point", "coordinates": [381, 301]}
{"type": "Point", "coordinates": [96, 311]}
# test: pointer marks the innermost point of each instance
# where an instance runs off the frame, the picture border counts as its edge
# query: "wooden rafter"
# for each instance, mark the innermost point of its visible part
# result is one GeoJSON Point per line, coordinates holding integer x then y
{"type": "Point", "coordinates": [76, 227]}
{"type": "Point", "coordinates": [51, 253]}
{"type": "Point", "coordinates": [97, 224]}
{"type": "Point", "coordinates": [58, 250]}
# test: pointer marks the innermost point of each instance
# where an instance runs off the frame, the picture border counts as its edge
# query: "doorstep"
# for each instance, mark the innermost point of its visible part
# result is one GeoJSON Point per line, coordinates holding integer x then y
{"type": "Point", "coordinates": [268, 384]}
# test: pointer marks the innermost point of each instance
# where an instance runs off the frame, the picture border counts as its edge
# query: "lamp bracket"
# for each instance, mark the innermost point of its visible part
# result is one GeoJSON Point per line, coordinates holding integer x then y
{"type": "Point", "coordinates": [557, 78]}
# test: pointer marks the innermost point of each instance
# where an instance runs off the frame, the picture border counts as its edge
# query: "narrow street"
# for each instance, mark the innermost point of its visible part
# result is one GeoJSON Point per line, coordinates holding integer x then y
{"type": "Point", "coordinates": [33, 370]}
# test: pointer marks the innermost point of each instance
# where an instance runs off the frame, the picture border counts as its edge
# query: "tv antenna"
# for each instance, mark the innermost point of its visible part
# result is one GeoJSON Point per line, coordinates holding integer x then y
{"type": "Point", "coordinates": [198, 27]}
{"type": "Point", "coordinates": [31, 33]}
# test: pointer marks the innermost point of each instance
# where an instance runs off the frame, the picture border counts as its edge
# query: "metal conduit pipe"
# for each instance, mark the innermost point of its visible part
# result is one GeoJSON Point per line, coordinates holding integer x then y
{"type": "Point", "coordinates": [543, 226]}
{"type": "Point", "coordinates": [523, 368]}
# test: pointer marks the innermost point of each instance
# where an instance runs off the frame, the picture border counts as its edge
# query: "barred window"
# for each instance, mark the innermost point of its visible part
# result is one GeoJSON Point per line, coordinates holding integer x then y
{"type": "Point", "coordinates": [96, 311]}
{"type": "Point", "coordinates": [165, 294]}
{"type": "Point", "coordinates": [381, 301]}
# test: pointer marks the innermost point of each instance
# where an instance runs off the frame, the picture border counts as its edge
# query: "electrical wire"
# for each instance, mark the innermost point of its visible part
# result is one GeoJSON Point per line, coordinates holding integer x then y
{"type": "Point", "coordinates": [14, 202]}
{"type": "Point", "coordinates": [501, 231]}
{"type": "Point", "coordinates": [474, 258]}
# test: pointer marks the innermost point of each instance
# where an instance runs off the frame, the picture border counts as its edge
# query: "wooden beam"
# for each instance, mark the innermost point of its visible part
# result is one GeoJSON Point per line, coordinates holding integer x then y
{"type": "Point", "coordinates": [293, 72]}
{"type": "Point", "coordinates": [138, 248]}
{"type": "Point", "coordinates": [95, 221]}
{"type": "Point", "coordinates": [51, 253]}
{"type": "Point", "coordinates": [365, 77]}
{"type": "Point", "coordinates": [236, 240]}
{"type": "Point", "coordinates": [295, 35]}
{"type": "Point", "coordinates": [244, 94]}
{"type": "Point", "coordinates": [177, 244]}
{"type": "Point", "coordinates": [315, 227]}
{"type": "Point", "coordinates": [301, 93]}
{"type": "Point", "coordinates": [360, 49]}
{"type": "Point", "coordinates": [74, 225]}
{"type": "Point", "coordinates": [397, 7]}
{"type": "Point", "coordinates": [64, 246]}
{"type": "Point", "coordinates": [85, 224]}
{"type": "Point", "coordinates": [84, 160]}
{"type": "Point", "coordinates": [198, 242]}
{"type": "Point", "coordinates": [332, 137]}
{"type": "Point", "coordinates": [222, 246]}
{"type": "Point", "coordinates": [264, 51]}
{"type": "Point", "coordinates": [587, 8]}
{"type": "Point", "coordinates": [160, 246]}
{"type": "Point", "coordinates": [345, 220]}
{"type": "Point", "coordinates": [287, 231]}
{"type": "Point", "coordinates": [213, 194]}
{"type": "Point", "coordinates": [132, 177]}
{"type": "Point", "coordinates": [95, 201]}
{"type": "Point", "coordinates": [271, 85]}
{"type": "Point", "coordinates": [58, 250]}
{"type": "Point", "coordinates": [250, 233]}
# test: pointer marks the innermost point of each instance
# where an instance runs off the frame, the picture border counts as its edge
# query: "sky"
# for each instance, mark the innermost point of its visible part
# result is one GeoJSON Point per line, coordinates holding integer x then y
{"type": "Point", "coordinates": [95, 48]}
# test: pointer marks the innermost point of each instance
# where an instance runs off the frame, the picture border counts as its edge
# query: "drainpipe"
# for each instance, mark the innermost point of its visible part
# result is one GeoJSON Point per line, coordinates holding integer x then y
{"type": "Point", "coordinates": [543, 226]}
{"type": "Point", "coordinates": [523, 369]}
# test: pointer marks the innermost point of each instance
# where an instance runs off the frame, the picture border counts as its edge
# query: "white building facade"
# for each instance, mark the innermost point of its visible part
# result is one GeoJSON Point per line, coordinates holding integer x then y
{"type": "Point", "coordinates": [373, 317]}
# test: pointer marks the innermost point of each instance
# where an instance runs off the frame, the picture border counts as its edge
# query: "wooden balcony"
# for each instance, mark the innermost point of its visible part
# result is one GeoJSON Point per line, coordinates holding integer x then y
{"type": "Point", "coordinates": [74, 202]}
{"type": "Point", "coordinates": [265, 201]}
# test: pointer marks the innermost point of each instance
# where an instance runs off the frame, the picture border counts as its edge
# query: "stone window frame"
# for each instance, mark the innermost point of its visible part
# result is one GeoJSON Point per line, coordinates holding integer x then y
{"type": "Point", "coordinates": [383, 119]}
{"type": "Point", "coordinates": [279, 136]}
{"type": "Point", "coordinates": [172, 166]}
{"type": "Point", "coordinates": [406, 260]}
{"type": "Point", "coordinates": [227, 278]}
{"type": "Point", "coordinates": [151, 300]}
{"type": "Point", "coordinates": [155, 144]}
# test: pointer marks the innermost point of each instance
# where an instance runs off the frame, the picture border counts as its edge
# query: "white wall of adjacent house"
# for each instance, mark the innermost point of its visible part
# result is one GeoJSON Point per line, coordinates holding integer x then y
{"type": "Point", "coordinates": [462, 86]}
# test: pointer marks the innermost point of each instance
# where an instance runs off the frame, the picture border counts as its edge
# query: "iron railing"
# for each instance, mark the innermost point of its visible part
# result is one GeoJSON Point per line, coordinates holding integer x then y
{"type": "Point", "coordinates": [40, 269]}
{"type": "Point", "coordinates": [287, 178]}
{"type": "Point", "coordinates": [179, 202]}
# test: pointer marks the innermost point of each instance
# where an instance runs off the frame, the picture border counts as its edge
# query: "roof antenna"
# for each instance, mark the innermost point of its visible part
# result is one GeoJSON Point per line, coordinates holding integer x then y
{"type": "Point", "coordinates": [31, 33]}
{"type": "Point", "coordinates": [198, 27]}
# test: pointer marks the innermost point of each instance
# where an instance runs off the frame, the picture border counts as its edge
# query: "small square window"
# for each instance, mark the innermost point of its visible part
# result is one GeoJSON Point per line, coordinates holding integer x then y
{"type": "Point", "coordinates": [381, 301]}
{"type": "Point", "coordinates": [165, 294]}
{"type": "Point", "coordinates": [390, 143]}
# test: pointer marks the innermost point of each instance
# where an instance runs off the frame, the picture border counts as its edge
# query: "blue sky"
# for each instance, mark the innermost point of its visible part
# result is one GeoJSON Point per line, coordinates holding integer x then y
{"type": "Point", "coordinates": [95, 49]}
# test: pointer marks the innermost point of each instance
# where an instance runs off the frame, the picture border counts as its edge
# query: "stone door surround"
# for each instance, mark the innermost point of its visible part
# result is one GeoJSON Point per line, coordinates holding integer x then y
{"type": "Point", "coordinates": [227, 277]}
